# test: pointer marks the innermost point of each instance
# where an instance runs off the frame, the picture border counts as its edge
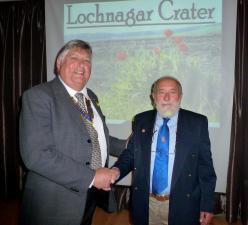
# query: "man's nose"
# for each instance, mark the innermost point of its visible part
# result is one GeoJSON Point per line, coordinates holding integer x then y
{"type": "Point", "coordinates": [81, 64]}
{"type": "Point", "coordinates": [166, 96]}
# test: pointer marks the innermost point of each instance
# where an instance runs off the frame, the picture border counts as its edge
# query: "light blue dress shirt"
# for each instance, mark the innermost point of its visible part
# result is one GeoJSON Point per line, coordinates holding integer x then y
{"type": "Point", "coordinates": [172, 124]}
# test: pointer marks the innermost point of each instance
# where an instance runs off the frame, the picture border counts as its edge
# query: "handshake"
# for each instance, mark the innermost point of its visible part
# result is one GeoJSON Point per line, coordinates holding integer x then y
{"type": "Point", "coordinates": [104, 177]}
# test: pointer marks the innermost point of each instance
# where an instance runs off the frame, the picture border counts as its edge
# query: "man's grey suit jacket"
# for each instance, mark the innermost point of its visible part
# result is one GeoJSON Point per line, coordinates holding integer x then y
{"type": "Point", "coordinates": [56, 149]}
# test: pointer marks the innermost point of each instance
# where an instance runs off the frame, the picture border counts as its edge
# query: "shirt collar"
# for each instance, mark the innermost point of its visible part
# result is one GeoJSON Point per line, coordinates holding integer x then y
{"type": "Point", "coordinates": [172, 121]}
{"type": "Point", "coordinates": [71, 91]}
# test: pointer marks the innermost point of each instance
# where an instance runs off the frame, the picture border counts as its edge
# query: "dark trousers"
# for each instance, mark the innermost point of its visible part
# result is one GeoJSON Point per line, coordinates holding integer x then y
{"type": "Point", "coordinates": [95, 198]}
{"type": "Point", "coordinates": [90, 206]}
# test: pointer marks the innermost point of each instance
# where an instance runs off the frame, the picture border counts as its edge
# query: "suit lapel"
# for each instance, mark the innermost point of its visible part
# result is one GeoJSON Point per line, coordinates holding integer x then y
{"type": "Point", "coordinates": [98, 109]}
{"type": "Point", "coordinates": [180, 150]}
{"type": "Point", "coordinates": [146, 131]}
{"type": "Point", "coordinates": [65, 99]}
{"type": "Point", "coordinates": [95, 102]}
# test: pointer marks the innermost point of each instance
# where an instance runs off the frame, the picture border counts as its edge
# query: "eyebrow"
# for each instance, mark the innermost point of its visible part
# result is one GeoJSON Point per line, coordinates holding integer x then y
{"type": "Point", "coordinates": [171, 89]}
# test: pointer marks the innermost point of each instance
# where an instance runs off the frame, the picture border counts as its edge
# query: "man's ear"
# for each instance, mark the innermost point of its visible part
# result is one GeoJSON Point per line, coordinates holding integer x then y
{"type": "Point", "coordinates": [152, 99]}
{"type": "Point", "coordinates": [181, 97]}
{"type": "Point", "coordinates": [58, 64]}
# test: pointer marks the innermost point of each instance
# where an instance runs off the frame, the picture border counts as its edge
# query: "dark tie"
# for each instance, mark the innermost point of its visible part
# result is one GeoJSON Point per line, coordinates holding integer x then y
{"type": "Point", "coordinates": [87, 115]}
{"type": "Point", "coordinates": [160, 171]}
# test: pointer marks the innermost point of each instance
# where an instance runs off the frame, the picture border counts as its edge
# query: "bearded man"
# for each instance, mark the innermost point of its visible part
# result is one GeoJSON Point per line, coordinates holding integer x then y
{"type": "Point", "coordinates": [169, 154]}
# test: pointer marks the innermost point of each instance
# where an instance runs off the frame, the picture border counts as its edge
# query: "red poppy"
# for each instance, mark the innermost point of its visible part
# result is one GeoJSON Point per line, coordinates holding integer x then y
{"type": "Point", "coordinates": [183, 47]}
{"type": "Point", "coordinates": [168, 33]}
{"type": "Point", "coordinates": [121, 56]}
{"type": "Point", "coordinates": [177, 39]}
{"type": "Point", "coordinates": [157, 51]}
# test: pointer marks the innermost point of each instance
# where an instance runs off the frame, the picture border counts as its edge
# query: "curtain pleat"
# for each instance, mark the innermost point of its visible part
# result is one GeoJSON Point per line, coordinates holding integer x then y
{"type": "Point", "coordinates": [22, 65]}
{"type": "Point", "coordinates": [237, 179]}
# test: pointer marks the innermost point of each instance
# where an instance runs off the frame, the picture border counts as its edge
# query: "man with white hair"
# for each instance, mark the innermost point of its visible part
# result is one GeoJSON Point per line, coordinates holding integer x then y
{"type": "Point", "coordinates": [169, 154]}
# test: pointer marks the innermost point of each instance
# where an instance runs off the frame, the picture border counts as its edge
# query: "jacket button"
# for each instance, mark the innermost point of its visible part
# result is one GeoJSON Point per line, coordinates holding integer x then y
{"type": "Point", "coordinates": [89, 141]}
{"type": "Point", "coordinates": [190, 175]}
{"type": "Point", "coordinates": [87, 163]}
{"type": "Point", "coordinates": [135, 188]}
{"type": "Point", "coordinates": [188, 195]}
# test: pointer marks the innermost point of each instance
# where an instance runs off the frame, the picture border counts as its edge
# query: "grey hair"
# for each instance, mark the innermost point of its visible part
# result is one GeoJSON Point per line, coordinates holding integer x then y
{"type": "Point", "coordinates": [67, 47]}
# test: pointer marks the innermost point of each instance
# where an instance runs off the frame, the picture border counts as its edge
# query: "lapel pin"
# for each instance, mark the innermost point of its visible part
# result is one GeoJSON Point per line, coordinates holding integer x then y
{"type": "Point", "coordinates": [163, 139]}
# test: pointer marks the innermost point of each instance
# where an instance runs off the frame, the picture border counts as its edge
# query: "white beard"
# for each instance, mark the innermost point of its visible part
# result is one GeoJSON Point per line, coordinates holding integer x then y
{"type": "Point", "coordinates": [168, 113]}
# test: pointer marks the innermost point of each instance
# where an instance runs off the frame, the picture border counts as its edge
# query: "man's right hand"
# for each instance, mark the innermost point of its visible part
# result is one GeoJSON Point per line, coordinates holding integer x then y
{"type": "Point", "coordinates": [104, 177]}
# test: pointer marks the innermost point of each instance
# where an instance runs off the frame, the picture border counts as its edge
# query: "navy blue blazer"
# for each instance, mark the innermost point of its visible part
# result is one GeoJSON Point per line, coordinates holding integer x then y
{"type": "Point", "coordinates": [193, 178]}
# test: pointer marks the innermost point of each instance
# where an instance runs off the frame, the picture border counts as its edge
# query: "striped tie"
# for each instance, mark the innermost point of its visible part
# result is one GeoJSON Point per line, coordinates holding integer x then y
{"type": "Point", "coordinates": [96, 161]}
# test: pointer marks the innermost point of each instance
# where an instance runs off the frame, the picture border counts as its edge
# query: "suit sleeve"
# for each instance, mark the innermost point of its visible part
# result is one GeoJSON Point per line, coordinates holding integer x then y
{"type": "Point", "coordinates": [39, 151]}
{"type": "Point", "coordinates": [125, 162]}
{"type": "Point", "coordinates": [207, 177]}
{"type": "Point", "coordinates": [116, 146]}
